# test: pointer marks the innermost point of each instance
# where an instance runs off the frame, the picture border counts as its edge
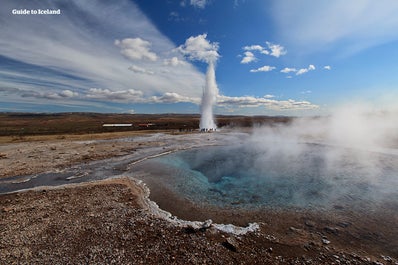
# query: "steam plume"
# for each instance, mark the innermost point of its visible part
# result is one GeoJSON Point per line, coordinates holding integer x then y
{"type": "Point", "coordinates": [209, 97]}
{"type": "Point", "coordinates": [349, 158]}
{"type": "Point", "coordinates": [200, 49]}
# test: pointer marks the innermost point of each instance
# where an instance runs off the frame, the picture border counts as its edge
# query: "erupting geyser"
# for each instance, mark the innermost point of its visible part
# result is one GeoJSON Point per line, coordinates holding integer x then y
{"type": "Point", "coordinates": [209, 98]}
{"type": "Point", "coordinates": [200, 49]}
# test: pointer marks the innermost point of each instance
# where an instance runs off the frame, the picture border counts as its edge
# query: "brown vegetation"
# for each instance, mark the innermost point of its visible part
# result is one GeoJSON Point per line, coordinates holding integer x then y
{"type": "Point", "coordinates": [20, 125]}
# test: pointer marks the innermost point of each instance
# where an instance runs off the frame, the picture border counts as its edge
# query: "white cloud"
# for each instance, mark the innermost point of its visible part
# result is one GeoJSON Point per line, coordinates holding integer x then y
{"type": "Point", "coordinates": [255, 48]}
{"type": "Point", "coordinates": [327, 67]}
{"type": "Point", "coordinates": [68, 93]}
{"type": "Point", "coordinates": [250, 101]}
{"type": "Point", "coordinates": [199, 3]}
{"type": "Point", "coordinates": [171, 97]}
{"type": "Point", "coordinates": [265, 68]}
{"type": "Point", "coordinates": [46, 95]}
{"type": "Point", "coordinates": [258, 48]}
{"type": "Point", "coordinates": [276, 49]}
{"type": "Point", "coordinates": [129, 95]}
{"type": "Point", "coordinates": [136, 49]}
{"type": "Point", "coordinates": [136, 96]}
{"type": "Point", "coordinates": [306, 92]}
{"type": "Point", "coordinates": [314, 25]}
{"type": "Point", "coordinates": [199, 48]}
{"type": "Point", "coordinates": [140, 70]}
{"type": "Point", "coordinates": [52, 95]}
{"type": "Point", "coordinates": [174, 61]}
{"type": "Point", "coordinates": [75, 54]}
{"type": "Point", "coordinates": [287, 70]}
{"type": "Point", "coordinates": [301, 71]}
{"type": "Point", "coordinates": [248, 58]}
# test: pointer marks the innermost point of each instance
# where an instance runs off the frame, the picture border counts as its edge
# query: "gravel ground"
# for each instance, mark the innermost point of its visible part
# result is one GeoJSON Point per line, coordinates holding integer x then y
{"type": "Point", "coordinates": [108, 222]}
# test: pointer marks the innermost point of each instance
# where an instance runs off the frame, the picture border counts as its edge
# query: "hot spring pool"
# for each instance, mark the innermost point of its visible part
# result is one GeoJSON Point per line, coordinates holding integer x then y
{"type": "Point", "coordinates": [278, 175]}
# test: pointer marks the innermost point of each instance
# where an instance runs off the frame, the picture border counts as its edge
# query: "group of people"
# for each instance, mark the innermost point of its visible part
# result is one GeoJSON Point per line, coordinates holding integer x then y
{"type": "Point", "coordinates": [208, 130]}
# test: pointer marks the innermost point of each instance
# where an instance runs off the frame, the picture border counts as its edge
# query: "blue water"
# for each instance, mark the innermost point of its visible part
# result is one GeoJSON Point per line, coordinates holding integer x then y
{"type": "Point", "coordinates": [249, 177]}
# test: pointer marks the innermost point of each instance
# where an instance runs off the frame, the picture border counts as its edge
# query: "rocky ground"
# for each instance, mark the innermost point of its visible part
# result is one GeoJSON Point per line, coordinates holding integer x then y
{"type": "Point", "coordinates": [111, 221]}
{"type": "Point", "coordinates": [107, 223]}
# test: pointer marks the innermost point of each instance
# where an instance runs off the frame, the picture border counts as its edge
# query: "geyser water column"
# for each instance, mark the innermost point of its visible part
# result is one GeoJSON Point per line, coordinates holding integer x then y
{"type": "Point", "coordinates": [200, 49]}
{"type": "Point", "coordinates": [209, 98]}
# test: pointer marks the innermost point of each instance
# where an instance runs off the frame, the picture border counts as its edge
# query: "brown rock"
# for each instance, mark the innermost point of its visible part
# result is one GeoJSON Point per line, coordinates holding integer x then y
{"type": "Point", "coordinates": [7, 209]}
{"type": "Point", "coordinates": [231, 244]}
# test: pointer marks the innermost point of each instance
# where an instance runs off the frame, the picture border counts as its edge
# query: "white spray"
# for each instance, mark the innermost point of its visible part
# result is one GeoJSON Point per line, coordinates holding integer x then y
{"type": "Point", "coordinates": [198, 48]}
{"type": "Point", "coordinates": [209, 98]}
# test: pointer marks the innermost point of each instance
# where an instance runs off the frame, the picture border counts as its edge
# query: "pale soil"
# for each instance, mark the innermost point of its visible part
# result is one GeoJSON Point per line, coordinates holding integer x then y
{"type": "Point", "coordinates": [35, 154]}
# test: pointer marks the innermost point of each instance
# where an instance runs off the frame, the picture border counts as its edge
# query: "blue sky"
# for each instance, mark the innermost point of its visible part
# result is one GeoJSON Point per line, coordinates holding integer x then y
{"type": "Point", "coordinates": [274, 57]}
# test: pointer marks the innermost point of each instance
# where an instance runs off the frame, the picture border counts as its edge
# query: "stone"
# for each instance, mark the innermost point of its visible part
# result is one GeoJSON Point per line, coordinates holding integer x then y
{"type": "Point", "coordinates": [207, 224]}
{"type": "Point", "coordinates": [7, 209]}
{"type": "Point", "coordinates": [296, 230]}
{"type": "Point", "coordinates": [343, 224]}
{"type": "Point", "coordinates": [309, 223]}
{"type": "Point", "coordinates": [231, 244]}
{"type": "Point", "coordinates": [331, 230]}
{"type": "Point", "coordinates": [325, 241]}
{"type": "Point", "coordinates": [387, 258]}
{"type": "Point", "coordinates": [309, 245]}
{"type": "Point", "coordinates": [293, 229]}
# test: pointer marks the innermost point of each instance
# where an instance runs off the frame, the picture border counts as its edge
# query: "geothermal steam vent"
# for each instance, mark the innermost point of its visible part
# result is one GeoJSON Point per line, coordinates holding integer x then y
{"type": "Point", "coordinates": [209, 99]}
{"type": "Point", "coordinates": [200, 49]}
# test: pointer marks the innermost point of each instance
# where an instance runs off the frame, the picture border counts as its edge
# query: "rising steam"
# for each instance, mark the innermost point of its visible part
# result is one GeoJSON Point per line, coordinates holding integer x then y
{"type": "Point", "coordinates": [209, 98]}
{"type": "Point", "coordinates": [200, 49]}
{"type": "Point", "coordinates": [347, 158]}
{"type": "Point", "coordinates": [353, 146]}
